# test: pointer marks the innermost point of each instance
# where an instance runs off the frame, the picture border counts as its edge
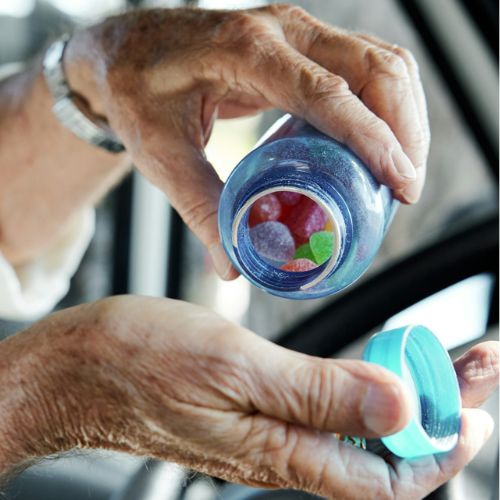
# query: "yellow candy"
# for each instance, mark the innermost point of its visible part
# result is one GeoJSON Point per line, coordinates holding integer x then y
{"type": "Point", "coordinates": [328, 226]}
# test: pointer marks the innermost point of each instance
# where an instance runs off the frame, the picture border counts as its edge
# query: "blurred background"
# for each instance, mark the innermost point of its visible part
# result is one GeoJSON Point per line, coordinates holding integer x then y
{"type": "Point", "coordinates": [438, 264]}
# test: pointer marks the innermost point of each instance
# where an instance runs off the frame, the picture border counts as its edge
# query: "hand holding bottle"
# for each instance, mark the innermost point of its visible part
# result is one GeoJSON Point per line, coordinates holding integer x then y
{"type": "Point", "coordinates": [161, 78]}
{"type": "Point", "coordinates": [158, 377]}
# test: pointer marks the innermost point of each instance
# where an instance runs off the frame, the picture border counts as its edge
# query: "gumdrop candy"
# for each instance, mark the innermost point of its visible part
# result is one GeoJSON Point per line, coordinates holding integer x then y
{"type": "Point", "coordinates": [305, 219]}
{"type": "Point", "coordinates": [289, 198]}
{"type": "Point", "coordinates": [272, 240]}
{"type": "Point", "coordinates": [299, 266]}
{"type": "Point", "coordinates": [329, 225]}
{"type": "Point", "coordinates": [264, 209]}
{"type": "Point", "coordinates": [354, 440]}
{"type": "Point", "coordinates": [304, 252]}
{"type": "Point", "coordinates": [321, 244]}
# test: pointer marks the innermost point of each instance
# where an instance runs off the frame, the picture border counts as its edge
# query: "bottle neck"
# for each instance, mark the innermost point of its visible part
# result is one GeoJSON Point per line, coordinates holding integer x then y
{"type": "Point", "coordinates": [275, 278]}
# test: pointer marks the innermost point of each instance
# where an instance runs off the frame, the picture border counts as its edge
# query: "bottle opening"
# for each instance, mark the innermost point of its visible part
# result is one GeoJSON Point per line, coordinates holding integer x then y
{"type": "Point", "coordinates": [292, 232]}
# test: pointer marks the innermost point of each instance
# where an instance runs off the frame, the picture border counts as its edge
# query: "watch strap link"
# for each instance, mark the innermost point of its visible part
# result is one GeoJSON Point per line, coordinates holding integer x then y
{"type": "Point", "coordinates": [66, 111]}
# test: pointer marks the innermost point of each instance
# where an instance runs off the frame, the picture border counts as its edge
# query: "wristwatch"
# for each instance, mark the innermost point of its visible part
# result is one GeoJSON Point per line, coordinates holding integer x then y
{"type": "Point", "coordinates": [65, 109]}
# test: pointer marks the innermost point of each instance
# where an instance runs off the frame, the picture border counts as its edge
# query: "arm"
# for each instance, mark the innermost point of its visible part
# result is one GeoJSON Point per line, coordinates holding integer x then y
{"type": "Point", "coordinates": [47, 173]}
{"type": "Point", "coordinates": [161, 78]}
{"type": "Point", "coordinates": [163, 378]}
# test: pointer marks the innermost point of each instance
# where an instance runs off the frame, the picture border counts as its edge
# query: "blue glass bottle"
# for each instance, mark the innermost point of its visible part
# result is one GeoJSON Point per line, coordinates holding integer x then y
{"type": "Point", "coordinates": [294, 156]}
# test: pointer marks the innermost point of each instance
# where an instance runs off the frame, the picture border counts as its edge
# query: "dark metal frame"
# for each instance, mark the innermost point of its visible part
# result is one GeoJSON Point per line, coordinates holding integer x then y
{"type": "Point", "coordinates": [485, 16]}
{"type": "Point", "coordinates": [454, 85]}
{"type": "Point", "coordinates": [122, 201]}
{"type": "Point", "coordinates": [368, 305]}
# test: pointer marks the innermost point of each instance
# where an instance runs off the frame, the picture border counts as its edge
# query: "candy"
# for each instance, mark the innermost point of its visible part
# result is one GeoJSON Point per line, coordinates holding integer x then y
{"type": "Point", "coordinates": [355, 441]}
{"type": "Point", "coordinates": [305, 219]}
{"type": "Point", "coordinates": [273, 240]}
{"type": "Point", "coordinates": [321, 244]}
{"type": "Point", "coordinates": [264, 209]}
{"type": "Point", "coordinates": [304, 252]}
{"type": "Point", "coordinates": [299, 266]}
{"type": "Point", "coordinates": [329, 225]}
{"type": "Point", "coordinates": [289, 198]}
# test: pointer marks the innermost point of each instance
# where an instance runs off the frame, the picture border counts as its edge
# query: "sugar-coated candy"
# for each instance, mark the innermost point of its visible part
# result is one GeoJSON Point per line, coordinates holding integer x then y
{"type": "Point", "coordinates": [304, 219]}
{"type": "Point", "coordinates": [264, 209]}
{"type": "Point", "coordinates": [304, 252]}
{"type": "Point", "coordinates": [289, 198]}
{"type": "Point", "coordinates": [329, 225]}
{"type": "Point", "coordinates": [321, 244]}
{"type": "Point", "coordinates": [272, 240]}
{"type": "Point", "coordinates": [354, 440]}
{"type": "Point", "coordinates": [299, 266]}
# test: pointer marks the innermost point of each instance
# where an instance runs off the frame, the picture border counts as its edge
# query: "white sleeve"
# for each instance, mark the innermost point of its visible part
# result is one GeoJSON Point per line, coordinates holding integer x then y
{"type": "Point", "coordinates": [33, 289]}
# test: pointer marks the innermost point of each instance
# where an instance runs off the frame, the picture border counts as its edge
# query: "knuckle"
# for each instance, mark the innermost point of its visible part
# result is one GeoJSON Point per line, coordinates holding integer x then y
{"type": "Point", "coordinates": [318, 85]}
{"type": "Point", "coordinates": [385, 62]}
{"type": "Point", "coordinates": [321, 393]}
{"type": "Point", "coordinates": [420, 141]}
{"type": "Point", "coordinates": [198, 213]}
{"type": "Point", "coordinates": [239, 29]}
{"type": "Point", "coordinates": [288, 10]}
{"type": "Point", "coordinates": [406, 55]}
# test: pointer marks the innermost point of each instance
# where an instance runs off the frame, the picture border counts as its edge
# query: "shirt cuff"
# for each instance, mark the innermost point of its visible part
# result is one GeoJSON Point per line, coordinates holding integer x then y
{"type": "Point", "coordinates": [33, 289]}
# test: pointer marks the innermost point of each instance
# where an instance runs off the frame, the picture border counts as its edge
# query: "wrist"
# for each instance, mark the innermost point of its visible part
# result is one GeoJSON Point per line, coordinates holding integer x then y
{"type": "Point", "coordinates": [46, 400]}
{"type": "Point", "coordinates": [24, 409]}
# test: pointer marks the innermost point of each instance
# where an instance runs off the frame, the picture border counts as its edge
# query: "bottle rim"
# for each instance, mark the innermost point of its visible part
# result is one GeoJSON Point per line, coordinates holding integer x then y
{"type": "Point", "coordinates": [434, 379]}
{"type": "Point", "coordinates": [337, 233]}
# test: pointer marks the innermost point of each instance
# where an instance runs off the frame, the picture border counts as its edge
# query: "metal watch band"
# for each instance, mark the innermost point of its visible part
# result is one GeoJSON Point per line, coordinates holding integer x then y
{"type": "Point", "coordinates": [65, 109]}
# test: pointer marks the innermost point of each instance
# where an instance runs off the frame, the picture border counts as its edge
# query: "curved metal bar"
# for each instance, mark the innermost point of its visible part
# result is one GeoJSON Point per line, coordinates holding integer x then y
{"type": "Point", "coordinates": [341, 322]}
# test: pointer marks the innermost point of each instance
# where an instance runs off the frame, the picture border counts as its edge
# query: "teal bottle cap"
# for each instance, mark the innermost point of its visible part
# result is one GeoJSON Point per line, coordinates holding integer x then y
{"type": "Point", "coordinates": [415, 355]}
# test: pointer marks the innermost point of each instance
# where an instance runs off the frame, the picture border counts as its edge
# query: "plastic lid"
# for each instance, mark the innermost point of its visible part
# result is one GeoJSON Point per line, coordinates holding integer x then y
{"type": "Point", "coordinates": [415, 354]}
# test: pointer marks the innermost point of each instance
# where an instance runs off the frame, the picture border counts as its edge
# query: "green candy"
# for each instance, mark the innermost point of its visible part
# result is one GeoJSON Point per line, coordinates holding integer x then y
{"type": "Point", "coordinates": [321, 246]}
{"type": "Point", "coordinates": [304, 252]}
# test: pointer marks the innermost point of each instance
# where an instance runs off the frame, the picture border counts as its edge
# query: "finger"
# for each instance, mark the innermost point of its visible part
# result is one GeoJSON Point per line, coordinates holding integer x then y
{"type": "Point", "coordinates": [383, 76]}
{"type": "Point", "coordinates": [351, 397]}
{"type": "Point", "coordinates": [289, 456]}
{"type": "Point", "coordinates": [413, 191]}
{"type": "Point", "coordinates": [292, 456]}
{"type": "Point", "coordinates": [477, 372]}
{"type": "Point", "coordinates": [264, 452]}
{"type": "Point", "coordinates": [416, 478]}
{"type": "Point", "coordinates": [181, 170]}
{"type": "Point", "coordinates": [476, 428]}
{"type": "Point", "coordinates": [236, 104]}
{"type": "Point", "coordinates": [325, 100]}
{"type": "Point", "coordinates": [413, 70]}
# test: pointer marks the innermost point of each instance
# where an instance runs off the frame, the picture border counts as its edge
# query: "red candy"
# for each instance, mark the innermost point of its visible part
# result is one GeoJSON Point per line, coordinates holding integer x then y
{"type": "Point", "coordinates": [299, 265]}
{"type": "Point", "coordinates": [289, 198]}
{"type": "Point", "coordinates": [264, 209]}
{"type": "Point", "coordinates": [305, 219]}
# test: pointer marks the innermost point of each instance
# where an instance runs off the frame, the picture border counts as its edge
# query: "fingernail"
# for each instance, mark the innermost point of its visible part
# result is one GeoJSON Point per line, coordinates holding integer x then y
{"type": "Point", "coordinates": [380, 408]}
{"type": "Point", "coordinates": [222, 264]}
{"type": "Point", "coordinates": [411, 193]}
{"type": "Point", "coordinates": [403, 165]}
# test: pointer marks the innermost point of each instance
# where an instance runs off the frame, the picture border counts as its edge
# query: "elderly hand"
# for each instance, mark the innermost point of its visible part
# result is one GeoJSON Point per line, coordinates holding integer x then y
{"type": "Point", "coordinates": [167, 379]}
{"type": "Point", "coordinates": [161, 78]}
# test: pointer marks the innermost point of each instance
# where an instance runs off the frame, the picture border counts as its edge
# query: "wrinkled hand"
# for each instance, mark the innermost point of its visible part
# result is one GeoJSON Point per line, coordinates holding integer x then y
{"type": "Point", "coordinates": [167, 379]}
{"type": "Point", "coordinates": [161, 78]}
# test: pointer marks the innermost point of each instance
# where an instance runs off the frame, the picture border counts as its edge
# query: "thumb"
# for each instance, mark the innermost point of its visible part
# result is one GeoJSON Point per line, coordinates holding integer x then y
{"type": "Point", "coordinates": [182, 171]}
{"type": "Point", "coordinates": [345, 396]}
